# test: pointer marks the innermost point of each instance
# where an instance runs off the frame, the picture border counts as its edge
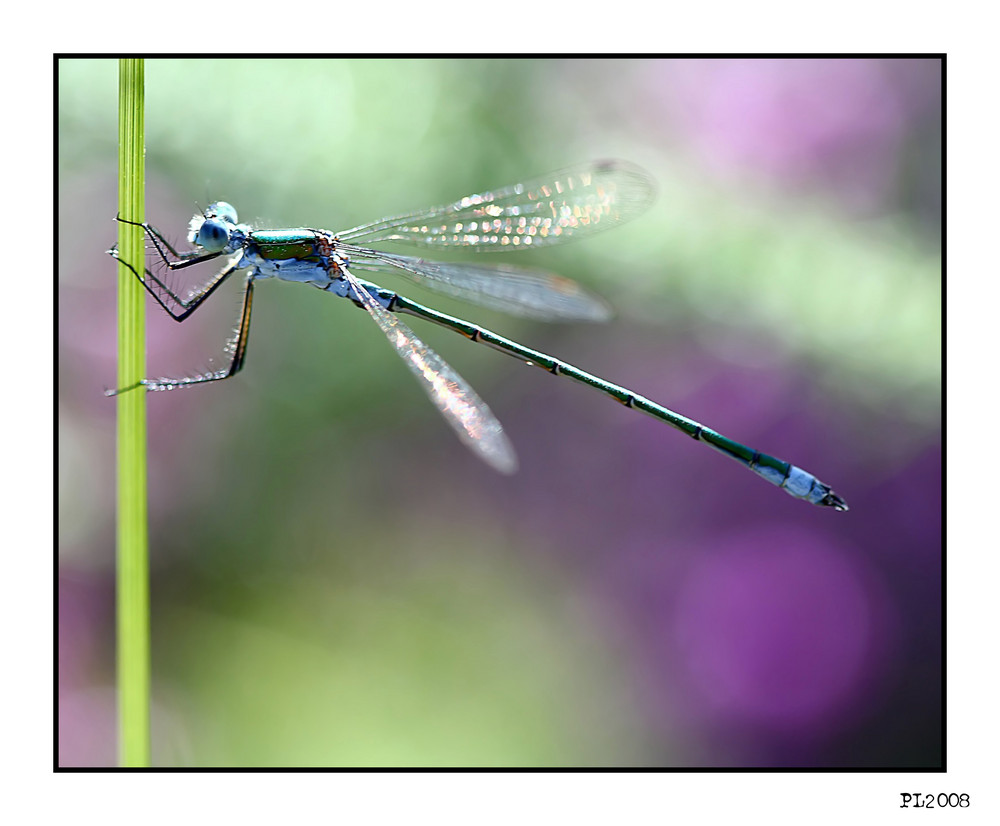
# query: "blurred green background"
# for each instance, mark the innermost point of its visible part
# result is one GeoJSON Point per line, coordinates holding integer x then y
{"type": "Point", "coordinates": [337, 581]}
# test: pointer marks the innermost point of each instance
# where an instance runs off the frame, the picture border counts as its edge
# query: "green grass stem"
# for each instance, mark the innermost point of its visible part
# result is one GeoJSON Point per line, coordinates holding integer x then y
{"type": "Point", "coordinates": [132, 535]}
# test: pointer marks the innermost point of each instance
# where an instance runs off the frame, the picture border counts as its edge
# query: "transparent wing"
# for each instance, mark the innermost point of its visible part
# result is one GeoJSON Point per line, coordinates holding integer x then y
{"type": "Point", "coordinates": [573, 203]}
{"type": "Point", "coordinates": [522, 292]}
{"type": "Point", "coordinates": [461, 407]}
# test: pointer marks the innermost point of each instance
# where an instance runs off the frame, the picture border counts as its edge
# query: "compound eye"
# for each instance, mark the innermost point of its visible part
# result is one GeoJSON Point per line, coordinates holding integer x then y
{"type": "Point", "coordinates": [223, 211]}
{"type": "Point", "coordinates": [213, 235]}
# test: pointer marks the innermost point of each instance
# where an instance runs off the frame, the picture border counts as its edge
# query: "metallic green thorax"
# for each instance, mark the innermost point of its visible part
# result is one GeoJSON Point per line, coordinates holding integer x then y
{"type": "Point", "coordinates": [280, 244]}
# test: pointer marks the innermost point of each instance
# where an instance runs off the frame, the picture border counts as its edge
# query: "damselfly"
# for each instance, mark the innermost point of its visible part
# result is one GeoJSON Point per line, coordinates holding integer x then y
{"type": "Point", "coordinates": [574, 203]}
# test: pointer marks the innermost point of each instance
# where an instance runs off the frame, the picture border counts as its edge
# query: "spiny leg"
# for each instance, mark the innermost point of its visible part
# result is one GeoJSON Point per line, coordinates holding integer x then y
{"type": "Point", "coordinates": [188, 305]}
{"type": "Point", "coordinates": [236, 347]}
{"type": "Point", "coordinates": [154, 284]}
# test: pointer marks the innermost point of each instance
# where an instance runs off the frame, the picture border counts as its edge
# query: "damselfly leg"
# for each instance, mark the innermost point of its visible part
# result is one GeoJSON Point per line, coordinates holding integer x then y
{"type": "Point", "coordinates": [236, 346]}
{"type": "Point", "coordinates": [166, 297]}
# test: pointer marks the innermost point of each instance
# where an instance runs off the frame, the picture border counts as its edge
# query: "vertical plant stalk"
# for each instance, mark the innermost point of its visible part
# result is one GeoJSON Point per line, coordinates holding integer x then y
{"type": "Point", "coordinates": [133, 660]}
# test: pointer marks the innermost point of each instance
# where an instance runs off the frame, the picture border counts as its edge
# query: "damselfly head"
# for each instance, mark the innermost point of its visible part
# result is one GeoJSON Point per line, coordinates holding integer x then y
{"type": "Point", "coordinates": [210, 230]}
